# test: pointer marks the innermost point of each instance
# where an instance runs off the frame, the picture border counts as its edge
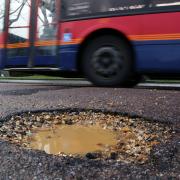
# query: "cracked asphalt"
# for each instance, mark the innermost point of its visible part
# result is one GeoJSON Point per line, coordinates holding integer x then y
{"type": "Point", "coordinates": [160, 105]}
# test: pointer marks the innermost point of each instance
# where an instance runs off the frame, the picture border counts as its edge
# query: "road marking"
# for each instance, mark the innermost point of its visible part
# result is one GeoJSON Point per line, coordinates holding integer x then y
{"type": "Point", "coordinates": [160, 85]}
{"type": "Point", "coordinates": [63, 82]}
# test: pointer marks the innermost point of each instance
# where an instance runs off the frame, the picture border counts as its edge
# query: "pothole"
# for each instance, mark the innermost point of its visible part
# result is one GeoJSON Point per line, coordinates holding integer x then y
{"type": "Point", "coordinates": [86, 134]}
{"type": "Point", "coordinates": [73, 139]}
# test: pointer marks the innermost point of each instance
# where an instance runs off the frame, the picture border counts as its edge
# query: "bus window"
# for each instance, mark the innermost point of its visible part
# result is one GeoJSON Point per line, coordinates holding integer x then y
{"type": "Point", "coordinates": [47, 27]}
{"type": "Point", "coordinates": [2, 14]}
{"type": "Point", "coordinates": [74, 8]}
{"type": "Point", "coordinates": [93, 7]}
{"type": "Point", "coordinates": [46, 20]}
{"type": "Point", "coordinates": [19, 17]}
{"type": "Point", "coordinates": [85, 8]}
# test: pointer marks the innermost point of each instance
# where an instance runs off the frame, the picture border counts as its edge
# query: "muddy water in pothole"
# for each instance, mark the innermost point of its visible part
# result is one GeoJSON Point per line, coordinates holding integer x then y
{"type": "Point", "coordinates": [73, 139]}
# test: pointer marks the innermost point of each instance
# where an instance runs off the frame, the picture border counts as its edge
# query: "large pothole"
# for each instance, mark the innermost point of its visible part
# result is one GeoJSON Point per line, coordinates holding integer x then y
{"type": "Point", "coordinates": [74, 139]}
{"type": "Point", "coordinates": [91, 134]}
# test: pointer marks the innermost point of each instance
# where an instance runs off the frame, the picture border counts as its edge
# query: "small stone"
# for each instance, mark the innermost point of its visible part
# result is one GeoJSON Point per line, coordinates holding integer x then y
{"type": "Point", "coordinates": [68, 121]}
{"type": "Point", "coordinates": [113, 155]}
{"type": "Point", "coordinates": [153, 143]}
{"type": "Point", "coordinates": [92, 155]}
{"type": "Point", "coordinates": [38, 119]}
{"type": "Point", "coordinates": [126, 129]}
{"type": "Point", "coordinates": [29, 133]}
{"type": "Point", "coordinates": [18, 118]}
{"type": "Point", "coordinates": [38, 124]}
{"type": "Point", "coordinates": [18, 123]}
{"type": "Point", "coordinates": [47, 117]}
{"type": "Point", "coordinates": [56, 122]}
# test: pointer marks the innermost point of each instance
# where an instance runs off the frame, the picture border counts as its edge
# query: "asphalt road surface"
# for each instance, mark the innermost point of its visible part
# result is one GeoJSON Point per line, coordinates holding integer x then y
{"type": "Point", "coordinates": [150, 103]}
{"type": "Point", "coordinates": [16, 163]}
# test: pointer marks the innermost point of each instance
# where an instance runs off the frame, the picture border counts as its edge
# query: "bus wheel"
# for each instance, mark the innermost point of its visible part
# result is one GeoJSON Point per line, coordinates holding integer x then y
{"type": "Point", "coordinates": [107, 61]}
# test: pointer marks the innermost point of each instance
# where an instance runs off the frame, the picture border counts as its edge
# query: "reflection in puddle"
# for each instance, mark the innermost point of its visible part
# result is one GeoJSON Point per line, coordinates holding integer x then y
{"type": "Point", "coordinates": [73, 139]}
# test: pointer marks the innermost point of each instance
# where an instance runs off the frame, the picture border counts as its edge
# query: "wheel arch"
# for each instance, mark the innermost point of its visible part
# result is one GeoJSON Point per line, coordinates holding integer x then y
{"type": "Point", "coordinates": [102, 32]}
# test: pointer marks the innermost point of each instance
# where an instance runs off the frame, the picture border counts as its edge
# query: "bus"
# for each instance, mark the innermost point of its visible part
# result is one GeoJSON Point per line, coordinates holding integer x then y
{"type": "Point", "coordinates": [110, 42]}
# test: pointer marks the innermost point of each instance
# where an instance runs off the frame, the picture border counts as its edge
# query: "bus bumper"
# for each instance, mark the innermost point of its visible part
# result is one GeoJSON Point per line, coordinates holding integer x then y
{"type": "Point", "coordinates": [68, 57]}
{"type": "Point", "coordinates": [2, 58]}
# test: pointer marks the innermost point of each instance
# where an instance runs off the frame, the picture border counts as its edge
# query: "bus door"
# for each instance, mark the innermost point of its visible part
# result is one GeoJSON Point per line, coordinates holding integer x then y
{"type": "Point", "coordinates": [46, 35]}
{"type": "Point", "coordinates": [17, 29]}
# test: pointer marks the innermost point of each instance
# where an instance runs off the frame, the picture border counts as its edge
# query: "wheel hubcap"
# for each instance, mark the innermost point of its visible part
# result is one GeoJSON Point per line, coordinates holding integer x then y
{"type": "Point", "coordinates": [107, 62]}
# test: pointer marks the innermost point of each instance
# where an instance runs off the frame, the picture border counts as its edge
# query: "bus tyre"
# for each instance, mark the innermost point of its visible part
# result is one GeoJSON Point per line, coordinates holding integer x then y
{"type": "Point", "coordinates": [107, 61]}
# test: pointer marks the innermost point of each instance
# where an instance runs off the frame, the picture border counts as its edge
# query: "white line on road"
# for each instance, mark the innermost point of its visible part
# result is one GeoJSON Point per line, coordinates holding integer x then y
{"type": "Point", "coordinates": [63, 82]}
{"type": "Point", "coordinates": [160, 85]}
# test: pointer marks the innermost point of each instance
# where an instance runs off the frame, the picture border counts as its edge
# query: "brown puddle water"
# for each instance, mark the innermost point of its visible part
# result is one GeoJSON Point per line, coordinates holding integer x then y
{"type": "Point", "coordinates": [73, 139]}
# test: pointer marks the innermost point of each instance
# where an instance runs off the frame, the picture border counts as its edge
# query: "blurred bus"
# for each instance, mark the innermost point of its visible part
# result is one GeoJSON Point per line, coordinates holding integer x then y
{"type": "Point", "coordinates": [110, 42]}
